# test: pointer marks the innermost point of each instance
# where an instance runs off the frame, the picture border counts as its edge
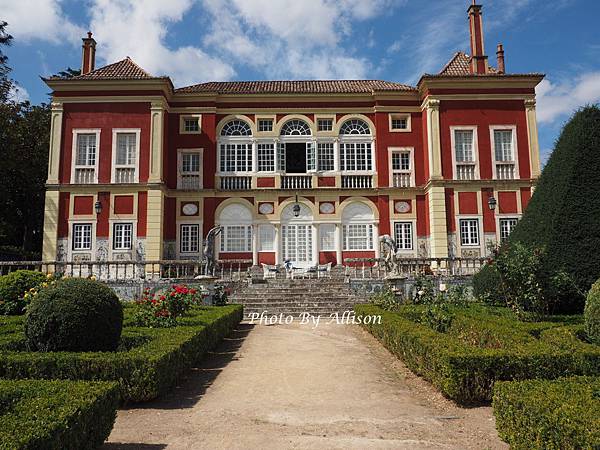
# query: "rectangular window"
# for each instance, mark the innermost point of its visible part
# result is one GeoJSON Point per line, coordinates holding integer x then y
{"type": "Point", "coordinates": [125, 159]}
{"type": "Point", "coordinates": [399, 122]}
{"type": "Point", "coordinates": [82, 236]}
{"type": "Point", "coordinates": [325, 156]}
{"type": "Point", "coordinates": [189, 238]}
{"type": "Point", "coordinates": [504, 154]}
{"type": "Point", "coordinates": [190, 176]}
{"type": "Point", "coordinates": [236, 238]}
{"type": "Point", "coordinates": [355, 156]}
{"type": "Point", "coordinates": [464, 153]}
{"type": "Point", "coordinates": [266, 157]}
{"type": "Point", "coordinates": [85, 158]}
{"type": "Point", "coordinates": [358, 237]}
{"type": "Point", "coordinates": [401, 169]}
{"type": "Point", "coordinates": [122, 236]}
{"type": "Point", "coordinates": [506, 227]}
{"type": "Point", "coordinates": [236, 158]}
{"type": "Point", "coordinates": [469, 232]}
{"type": "Point", "coordinates": [325, 124]}
{"type": "Point", "coordinates": [403, 235]}
{"type": "Point", "coordinates": [327, 236]}
{"type": "Point", "coordinates": [266, 238]}
{"type": "Point", "coordinates": [191, 124]}
{"type": "Point", "coordinates": [265, 124]}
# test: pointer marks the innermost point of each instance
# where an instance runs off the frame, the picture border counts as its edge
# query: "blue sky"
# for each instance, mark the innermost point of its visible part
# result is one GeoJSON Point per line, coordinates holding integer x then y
{"type": "Point", "coordinates": [397, 40]}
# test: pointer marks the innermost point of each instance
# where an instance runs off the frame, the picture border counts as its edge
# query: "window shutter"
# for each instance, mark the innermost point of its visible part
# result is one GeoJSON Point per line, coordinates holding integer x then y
{"type": "Point", "coordinates": [311, 157]}
{"type": "Point", "coordinates": [281, 156]}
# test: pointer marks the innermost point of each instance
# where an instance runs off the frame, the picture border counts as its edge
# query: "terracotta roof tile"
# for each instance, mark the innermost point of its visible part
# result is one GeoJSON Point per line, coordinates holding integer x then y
{"type": "Point", "coordinates": [297, 87]}
{"type": "Point", "coordinates": [125, 69]}
{"type": "Point", "coordinates": [460, 65]}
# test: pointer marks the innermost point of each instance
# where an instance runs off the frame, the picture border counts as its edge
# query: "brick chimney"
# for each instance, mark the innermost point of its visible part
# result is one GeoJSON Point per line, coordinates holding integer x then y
{"type": "Point", "coordinates": [88, 58]}
{"type": "Point", "coordinates": [479, 62]}
{"type": "Point", "coordinates": [500, 55]}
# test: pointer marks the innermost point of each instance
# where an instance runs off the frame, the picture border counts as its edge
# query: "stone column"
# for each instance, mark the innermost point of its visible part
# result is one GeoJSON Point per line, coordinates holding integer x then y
{"type": "Point", "coordinates": [532, 138]}
{"type": "Point", "coordinates": [315, 243]}
{"type": "Point", "coordinates": [376, 239]}
{"type": "Point", "coordinates": [339, 243]}
{"type": "Point", "coordinates": [277, 243]}
{"type": "Point", "coordinates": [433, 139]}
{"type": "Point", "coordinates": [255, 245]}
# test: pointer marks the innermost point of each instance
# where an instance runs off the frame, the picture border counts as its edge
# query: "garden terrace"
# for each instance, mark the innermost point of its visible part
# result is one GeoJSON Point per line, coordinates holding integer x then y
{"type": "Point", "coordinates": [147, 363]}
{"type": "Point", "coordinates": [58, 414]}
{"type": "Point", "coordinates": [484, 345]}
{"type": "Point", "coordinates": [542, 414]}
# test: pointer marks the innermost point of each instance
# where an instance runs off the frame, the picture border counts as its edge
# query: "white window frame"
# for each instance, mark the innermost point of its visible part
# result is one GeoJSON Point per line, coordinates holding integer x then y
{"type": "Point", "coordinates": [395, 116]}
{"type": "Point", "coordinates": [112, 237]}
{"type": "Point", "coordinates": [258, 159]}
{"type": "Point", "coordinates": [180, 173]}
{"type": "Point", "coordinates": [332, 229]}
{"type": "Point", "coordinates": [266, 243]}
{"type": "Point", "coordinates": [136, 166]}
{"type": "Point", "coordinates": [412, 224]}
{"type": "Point", "coordinates": [179, 236]}
{"type": "Point", "coordinates": [480, 236]}
{"type": "Point", "coordinates": [411, 157]}
{"type": "Point", "coordinates": [359, 139]}
{"type": "Point", "coordinates": [369, 236]}
{"type": "Point", "coordinates": [472, 128]}
{"type": "Point", "coordinates": [330, 142]}
{"type": "Point", "coordinates": [319, 118]}
{"type": "Point", "coordinates": [225, 245]}
{"type": "Point", "coordinates": [499, 219]}
{"type": "Point", "coordinates": [265, 119]}
{"type": "Point", "coordinates": [76, 132]}
{"type": "Point", "coordinates": [182, 120]}
{"type": "Point", "coordinates": [515, 149]}
{"type": "Point", "coordinates": [236, 140]}
{"type": "Point", "coordinates": [70, 237]}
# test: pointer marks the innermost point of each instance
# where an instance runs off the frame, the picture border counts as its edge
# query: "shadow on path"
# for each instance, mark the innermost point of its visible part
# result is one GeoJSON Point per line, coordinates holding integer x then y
{"type": "Point", "coordinates": [118, 446]}
{"type": "Point", "coordinates": [194, 382]}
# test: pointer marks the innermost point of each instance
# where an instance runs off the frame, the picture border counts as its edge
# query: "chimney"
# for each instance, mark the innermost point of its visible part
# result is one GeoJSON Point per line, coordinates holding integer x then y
{"type": "Point", "coordinates": [500, 55]}
{"type": "Point", "coordinates": [479, 62]}
{"type": "Point", "coordinates": [88, 59]}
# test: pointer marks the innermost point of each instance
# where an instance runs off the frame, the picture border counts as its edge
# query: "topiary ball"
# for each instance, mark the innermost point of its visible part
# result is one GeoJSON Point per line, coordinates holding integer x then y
{"type": "Point", "coordinates": [14, 285]}
{"type": "Point", "coordinates": [75, 314]}
{"type": "Point", "coordinates": [592, 314]}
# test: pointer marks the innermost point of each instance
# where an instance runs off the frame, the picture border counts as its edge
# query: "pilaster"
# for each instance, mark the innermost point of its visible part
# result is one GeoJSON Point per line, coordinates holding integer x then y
{"type": "Point", "coordinates": [433, 139]}
{"type": "Point", "coordinates": [157, 115]}
{"type": "Point", "coordinates": [437, 222]}
{"type": "Point", "coordinates": [154, 230]}
{"type": "Point", "coordinates": [532, 138]}
{"type": "Point", "coordinates": [50, 243]}
{"type": "Point", "coordinates": [54, 152]}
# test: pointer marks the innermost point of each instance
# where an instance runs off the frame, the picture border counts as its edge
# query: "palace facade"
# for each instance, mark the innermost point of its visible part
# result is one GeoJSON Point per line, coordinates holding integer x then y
{"type": "Point", "coordinates": [310, 171]}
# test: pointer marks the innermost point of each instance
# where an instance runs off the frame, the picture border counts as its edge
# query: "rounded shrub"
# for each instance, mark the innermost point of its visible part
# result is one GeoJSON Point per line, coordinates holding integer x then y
{"type": "Point", "coordinates": [592, 313]}
{"type": "Point", "coordinates": [487, 285]}
{"type": "Point", "coordinates": [75, 314]}
{"type": "Point", "coordinates": [12, 288]}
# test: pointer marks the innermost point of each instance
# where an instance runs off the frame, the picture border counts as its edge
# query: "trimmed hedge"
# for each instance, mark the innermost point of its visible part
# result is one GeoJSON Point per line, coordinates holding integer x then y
{"type": "Point", "coordinates": [592, 314]}
{"type": "Point", "coordinates": [483, 345]}
{"type": "Point", "coordinates": [549, 415]}
{"type": "Point", "coordinates": [147, 364]}
{"type": "Point", "coordinates": [13, 286]}
{"type": "Point", "coordinates": [56, 415]}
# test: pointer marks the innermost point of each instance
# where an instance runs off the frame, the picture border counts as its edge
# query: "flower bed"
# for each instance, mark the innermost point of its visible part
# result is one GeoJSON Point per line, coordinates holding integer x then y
{"type": "Point", "coordinates": [541, 414]}
{"type": "Point", "coordinates": [42, 414]}
{"type": "Point", "coordinates": [147, 363]}
{"type": "Point", "coordinates": [484, 345]}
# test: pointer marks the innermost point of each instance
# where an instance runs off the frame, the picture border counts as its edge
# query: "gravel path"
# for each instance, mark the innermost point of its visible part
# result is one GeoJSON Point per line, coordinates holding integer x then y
{"type": "Point", "coordinates": [294, 386]}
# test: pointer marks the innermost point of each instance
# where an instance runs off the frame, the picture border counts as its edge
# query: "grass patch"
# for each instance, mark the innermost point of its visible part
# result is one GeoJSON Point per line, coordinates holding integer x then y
{"type": "Point", "coordinates": [147, 363]}
{"type": "Point", "coordinates": [58, 414]}
{"type": "Point", "coordinates": [484, 345]}
{"type": "Point", "coordinates": [550, 415]}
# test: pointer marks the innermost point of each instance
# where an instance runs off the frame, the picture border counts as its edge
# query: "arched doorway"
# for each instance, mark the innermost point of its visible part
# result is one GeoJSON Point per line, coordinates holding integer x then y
{"type": "Point", "coordinates": [297, 236]}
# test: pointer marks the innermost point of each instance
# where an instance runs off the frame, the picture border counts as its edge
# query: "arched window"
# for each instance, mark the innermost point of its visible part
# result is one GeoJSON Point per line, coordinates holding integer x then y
{"type": "Point", "coordinates": [355, 126]}
{"type": "Point", "coordinates": [235, 155]}
{"type": "Point", "coordinates": [236, 221]}
{"type": "Point", "coordinates": [357, 223]}
{"type": "Point", "coordinates": [236, 127]}
{"type": "Point", "coordinates": [295, 127]}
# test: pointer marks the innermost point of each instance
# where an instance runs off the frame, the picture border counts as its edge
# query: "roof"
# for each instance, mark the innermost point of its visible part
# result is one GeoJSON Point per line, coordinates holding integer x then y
{"type": "Point", "coordinates": [460, 65]}
{"type": "Point", "coordinates": [125, 69]}
{"type": "Point", "coordinates": [297, 87]}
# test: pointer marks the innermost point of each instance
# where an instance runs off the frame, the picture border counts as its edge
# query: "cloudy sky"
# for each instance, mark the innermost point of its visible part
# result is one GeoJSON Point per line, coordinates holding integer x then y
{"type": "Point", "coordinates": [397, 40]}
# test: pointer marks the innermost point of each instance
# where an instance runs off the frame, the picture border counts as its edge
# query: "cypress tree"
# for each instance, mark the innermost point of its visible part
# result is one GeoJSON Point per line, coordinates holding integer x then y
{"type": "Point", "coordinates": [563, 215]}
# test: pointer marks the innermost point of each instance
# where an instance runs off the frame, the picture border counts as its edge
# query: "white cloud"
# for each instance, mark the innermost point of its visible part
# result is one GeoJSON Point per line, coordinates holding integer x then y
{"type": "Point", "coordinates": [293, 39]}
{"type": "Point", "coordinates": [139, 29]}
{"type": "Point", "coordinates": [18, 94]}
{"type": "Point", "coordinates": [39, 19]}
{"type": "Point", "coordinates": [554, 101]}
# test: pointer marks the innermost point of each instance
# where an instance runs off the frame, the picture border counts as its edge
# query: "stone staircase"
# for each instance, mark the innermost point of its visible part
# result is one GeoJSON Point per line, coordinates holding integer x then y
{"type": "Point", "coordinates": [323, 296]}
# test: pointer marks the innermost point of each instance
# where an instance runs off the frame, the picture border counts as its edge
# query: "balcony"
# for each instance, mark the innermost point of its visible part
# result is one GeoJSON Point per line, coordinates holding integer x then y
{"type": "Point", "coordinates": [296, 182]}
{"type": "Point", "coordinates": [125, 175]}
{"type": "Point", "coordinates": [357, 181]}
{"type": "Point", "coordinates": [401, 180]}
{"type": "Point", "coordinates": [505, 171]}
{"type": "Point", "coordinates": [233, 183]}
{"type": "Point", "coordinates": [85, 175]}
{"type": "Point", "coordinates": [189, 182]}
{"type": "Point", "coordinates": [465, 171]}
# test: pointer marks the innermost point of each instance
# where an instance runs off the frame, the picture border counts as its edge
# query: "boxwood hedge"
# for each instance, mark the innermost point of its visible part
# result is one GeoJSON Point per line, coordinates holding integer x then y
{"type": "Point", "coordinates": [550, 415]}
{"type": "Point", "coordinates": [484, 345]}
{"type": "Point", "coordinates": [59, 414]}
{"type": "Point", "coordinates": [148, 362]}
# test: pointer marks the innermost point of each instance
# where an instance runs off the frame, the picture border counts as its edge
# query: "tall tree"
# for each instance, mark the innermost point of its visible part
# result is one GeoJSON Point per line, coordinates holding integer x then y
{"type": "Point", "coordinates": [5, 82]}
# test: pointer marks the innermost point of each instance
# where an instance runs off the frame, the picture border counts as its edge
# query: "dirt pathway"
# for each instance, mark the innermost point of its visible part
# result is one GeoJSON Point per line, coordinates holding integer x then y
{"type": "Point", "coordinates": [292, 386]}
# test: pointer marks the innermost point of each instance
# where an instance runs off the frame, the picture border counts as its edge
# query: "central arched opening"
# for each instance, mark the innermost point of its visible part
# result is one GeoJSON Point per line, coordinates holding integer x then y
{"type": "Point", "coordinates": [295, 139]}
{"type": "Point", "coordinates": [297, 236]}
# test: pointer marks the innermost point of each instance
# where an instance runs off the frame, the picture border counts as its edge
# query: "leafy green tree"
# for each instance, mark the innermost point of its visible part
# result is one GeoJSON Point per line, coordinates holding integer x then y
{"type": "Point", "coordinates": [5, 82]}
